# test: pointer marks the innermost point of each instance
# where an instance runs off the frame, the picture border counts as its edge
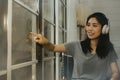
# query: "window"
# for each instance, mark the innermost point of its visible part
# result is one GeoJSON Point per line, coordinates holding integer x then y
{"type": "Point", "coordinates": [3, 40]}
{"type": "Point", "coordinates": [17, 53]}
{"type": "Point", "coordinates": [62, 32]}
{"type": "Point", "coordinates": [47, 61]}
{"type": "Point", "coordinates": [49, 30]}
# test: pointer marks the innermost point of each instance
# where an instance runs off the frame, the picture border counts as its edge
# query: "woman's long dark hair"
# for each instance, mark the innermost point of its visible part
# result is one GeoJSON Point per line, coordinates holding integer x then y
{"type": "Point", "coordinates": [104, 45]}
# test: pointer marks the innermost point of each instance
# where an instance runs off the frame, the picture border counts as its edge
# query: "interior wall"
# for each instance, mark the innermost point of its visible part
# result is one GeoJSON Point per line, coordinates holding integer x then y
{"type": "Point", "coordinates": [71, 20]}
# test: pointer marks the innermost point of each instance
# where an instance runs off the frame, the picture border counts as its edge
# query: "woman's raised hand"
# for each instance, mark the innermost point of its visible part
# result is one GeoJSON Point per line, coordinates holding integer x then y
{"type": "Point", "coordinates": [39, 38]}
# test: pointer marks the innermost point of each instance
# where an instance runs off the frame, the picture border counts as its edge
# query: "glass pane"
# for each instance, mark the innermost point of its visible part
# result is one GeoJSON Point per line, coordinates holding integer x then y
{"type": "Point", "coordinates": [33, 4]}
{"type": "Point", "coordinates": [49, 34]}
{"type": "Point", "coordinates": [49, 10]}
{"type": "Point", "coordinates": [48, 53]}
{"type": "Point", "coordinates": [61, 16]}
{"type": "Point", "coordinates": [39, 70]}
{"type": "Point", "coordinates": [22, 73]}
{"type": "Point", "coordinates": [61, 35]}
{"type": "Point", "coordinates": [3, 36]}
{"type": "Point", "coordinates": [3, 77]}
{"type": "Point", "coordinates": [65, 37]}
{"type": "Point", "coordinates": [49, 70]}
{"type": "Point", "coordinates": [21, 26]}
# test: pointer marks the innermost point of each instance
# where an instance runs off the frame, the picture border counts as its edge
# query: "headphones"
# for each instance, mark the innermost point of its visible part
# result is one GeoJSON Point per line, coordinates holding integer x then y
{"type": "Point", "coordinates": [105, 29]}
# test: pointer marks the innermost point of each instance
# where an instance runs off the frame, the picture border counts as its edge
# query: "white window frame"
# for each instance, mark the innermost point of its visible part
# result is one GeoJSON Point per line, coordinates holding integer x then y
{"type": "Point", "coordinates": [33, 62]}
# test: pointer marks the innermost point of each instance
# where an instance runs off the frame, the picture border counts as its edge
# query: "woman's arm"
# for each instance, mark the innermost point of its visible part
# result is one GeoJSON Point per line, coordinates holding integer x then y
{"type": "Point", "coordinates": [115, 71]}
{"type": "Point", "coordinates": [43, 41]}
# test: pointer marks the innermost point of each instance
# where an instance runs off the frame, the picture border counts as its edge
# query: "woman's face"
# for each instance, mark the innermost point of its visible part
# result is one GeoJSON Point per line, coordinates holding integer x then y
{"type": "Point", "coordinates": [93, 29]}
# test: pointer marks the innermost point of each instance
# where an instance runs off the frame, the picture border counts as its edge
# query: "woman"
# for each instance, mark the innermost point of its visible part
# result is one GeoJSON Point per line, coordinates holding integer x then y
{"type": "Point", "coordinates": [95, 57]}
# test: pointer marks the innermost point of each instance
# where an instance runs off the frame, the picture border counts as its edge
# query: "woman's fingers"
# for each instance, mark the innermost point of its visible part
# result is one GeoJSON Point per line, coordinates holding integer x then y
{"type": "Point", "coordinates": [37, 37]}
{"type": "Point", "coordinates": [29, 36]}
{"type": "Point", "coordinates": [32, 33]}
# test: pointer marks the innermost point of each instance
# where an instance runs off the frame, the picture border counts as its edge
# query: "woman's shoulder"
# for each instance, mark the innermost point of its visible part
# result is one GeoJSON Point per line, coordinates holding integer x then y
{"type": "Point", "coordinates": [112, 54]}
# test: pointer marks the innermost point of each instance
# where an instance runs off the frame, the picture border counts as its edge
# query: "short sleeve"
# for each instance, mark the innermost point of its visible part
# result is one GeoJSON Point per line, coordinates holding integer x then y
{"type": "Point", "coordinates": [113, 56]}
{"type": "Point", "coordinates": [70, 47]}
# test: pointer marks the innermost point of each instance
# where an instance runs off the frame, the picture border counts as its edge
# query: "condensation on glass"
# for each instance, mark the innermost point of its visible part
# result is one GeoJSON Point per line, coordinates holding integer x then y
{"type": "Point", "coordinates": [33, 4]}
{"type": "Point", "coordinates": [49, 70]}
{"type": "Point", "coordinates": [21, 26]}
{"type": "Point", "coordinates": [22, 50]}
{"type": "Point", "coordinates": [24, 73]}
{"type": "Point", "coordinates": [3, 77]}
{"type": "Point", "coordinates": [3, 35]}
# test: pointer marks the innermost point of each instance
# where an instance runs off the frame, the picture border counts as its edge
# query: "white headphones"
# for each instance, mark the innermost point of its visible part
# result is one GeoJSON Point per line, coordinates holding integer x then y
{"type": "Point", "coordinates": [105, 29]}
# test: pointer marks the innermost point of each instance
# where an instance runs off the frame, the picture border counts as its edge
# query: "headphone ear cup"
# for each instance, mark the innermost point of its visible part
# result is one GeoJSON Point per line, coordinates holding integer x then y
{"type": "Point", "coordinates": [105, 29]}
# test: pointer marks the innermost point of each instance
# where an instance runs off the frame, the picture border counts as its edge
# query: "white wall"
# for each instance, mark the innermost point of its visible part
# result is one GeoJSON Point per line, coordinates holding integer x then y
{"type": "Point", "coordinates": [72, 32]}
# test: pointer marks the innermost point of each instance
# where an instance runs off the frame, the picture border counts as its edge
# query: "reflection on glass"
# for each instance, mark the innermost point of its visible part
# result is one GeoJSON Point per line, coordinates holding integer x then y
{"type": "Point", "coordinates": [49, 70]}
{"type": "Point", "coordinates": [49, 10]}
{"type": "Point", "coordinates": [3, 36]}
{"type": "Point", "coordinates": [3, 77]}
{"type": "Point", "coordinates": [49, 34]}
{"type": "Point", "coordinates": [21, 26]}
{"type": "Point", "coordinates": [30, 3]}
{"type": "Point", "coordinates": [61, 16]}
{"type": "Point", "coordinates": [22, 73]}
